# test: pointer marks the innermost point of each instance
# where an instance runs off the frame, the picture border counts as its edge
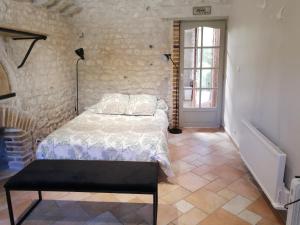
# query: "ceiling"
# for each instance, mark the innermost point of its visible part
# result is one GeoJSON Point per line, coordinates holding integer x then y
{"type": "Point", "coordinates": [63, 7]}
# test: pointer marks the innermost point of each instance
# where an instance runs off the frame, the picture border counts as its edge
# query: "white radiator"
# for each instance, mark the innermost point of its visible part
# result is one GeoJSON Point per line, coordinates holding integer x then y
{"type": "Point", "coordinates": [293, 217]}
{"type": "Point", "coordinates": [266, 162]}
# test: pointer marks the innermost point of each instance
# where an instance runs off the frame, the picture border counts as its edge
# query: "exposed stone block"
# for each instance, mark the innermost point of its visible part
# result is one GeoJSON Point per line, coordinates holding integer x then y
{"type": "Point", "coordinates": [17, 137]}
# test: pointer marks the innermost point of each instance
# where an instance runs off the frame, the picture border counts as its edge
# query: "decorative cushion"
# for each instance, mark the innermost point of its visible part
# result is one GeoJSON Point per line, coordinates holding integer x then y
{"type": "Point", "coordinates": [114, 104]}
{"type": "Point", "coordinates": [142, 105]}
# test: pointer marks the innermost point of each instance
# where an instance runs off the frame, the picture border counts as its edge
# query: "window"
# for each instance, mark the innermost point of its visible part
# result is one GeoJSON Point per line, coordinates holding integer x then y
{"type": "Point", "coordinates": [201, 67]}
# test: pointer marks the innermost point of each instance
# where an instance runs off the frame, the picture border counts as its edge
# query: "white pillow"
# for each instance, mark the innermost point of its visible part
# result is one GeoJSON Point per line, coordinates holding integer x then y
{"type": "Point", "coordinates": [114, 104]}
{"type": "Point", "coordinates": [92, 108]}
{"type": "Point", "coordinates": [161, 104]}
{"type": "Point", "coordinates": [142, 105]}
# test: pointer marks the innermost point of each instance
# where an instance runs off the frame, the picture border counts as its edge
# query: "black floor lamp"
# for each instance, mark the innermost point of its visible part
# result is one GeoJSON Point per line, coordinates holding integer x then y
{"type": "Point", "coordinates": [80, 53]}
{"type": "Point", "coordinates": [175, 130]}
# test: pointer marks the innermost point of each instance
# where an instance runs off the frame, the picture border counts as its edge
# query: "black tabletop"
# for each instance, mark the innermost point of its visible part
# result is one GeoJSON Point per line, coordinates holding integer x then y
{"type": "Point", "coordinates": [86, 176]}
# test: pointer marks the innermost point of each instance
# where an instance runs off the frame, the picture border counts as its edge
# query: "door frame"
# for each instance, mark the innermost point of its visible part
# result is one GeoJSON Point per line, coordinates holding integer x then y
{"type": "Point", "coordinates": [221, 93]}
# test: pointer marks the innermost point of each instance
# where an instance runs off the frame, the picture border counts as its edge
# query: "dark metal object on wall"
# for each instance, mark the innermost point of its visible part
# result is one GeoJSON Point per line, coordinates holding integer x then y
{"type": "Point", "coordinates": [7, 96]}
{"type": "Point", "coordinates": [5, 89]}
{"type": "Point", "coordinates": [80, 53]}
{"type": "Point", "coordinates": [22, 35]}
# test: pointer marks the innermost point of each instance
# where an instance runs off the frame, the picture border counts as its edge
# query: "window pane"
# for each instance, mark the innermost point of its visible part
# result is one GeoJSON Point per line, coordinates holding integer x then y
{"type": "Point", "coordinates": [199, 36]}
{"type": "Point", "coordinates": [189, 38]}
{"type": "Point", "coordinates": [188, 78]}
{"type": "Point", "coordinates": [209, 98]}
{"type": "Point", "coordinates": [191, 98]}
{"type": "Point", "coordinates": [209, 78]}
{"type": "Point", "coordinates": [211, 36]}
{"type": "Point", "coordinates": [197, 82]}
{"type": "Point", "coordinates": [198, 64]}
{"type": "Point", "coordinates": [210, 57]}
{"type": "Point", "coordinates": [189, 58]}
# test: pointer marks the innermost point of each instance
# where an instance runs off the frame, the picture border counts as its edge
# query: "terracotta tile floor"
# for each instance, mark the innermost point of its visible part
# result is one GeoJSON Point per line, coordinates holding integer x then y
{"type": "Point", "coordinates": [211, 187]}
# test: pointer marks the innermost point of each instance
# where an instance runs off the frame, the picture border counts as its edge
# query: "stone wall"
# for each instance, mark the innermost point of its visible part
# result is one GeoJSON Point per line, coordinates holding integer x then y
{"type": "Point", "coordinates": [45, 85]}
{"type": "Point", "coordinates": [124, 42]}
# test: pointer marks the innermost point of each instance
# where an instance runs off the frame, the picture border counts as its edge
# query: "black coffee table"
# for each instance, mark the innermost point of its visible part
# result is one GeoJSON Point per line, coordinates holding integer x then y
{"type": "Point", "coordinates": [84, 176]}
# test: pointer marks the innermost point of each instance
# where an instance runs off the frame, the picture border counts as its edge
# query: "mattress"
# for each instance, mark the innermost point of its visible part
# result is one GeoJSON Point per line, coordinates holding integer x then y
{"type": "Point", "coordinates": [92, 136]}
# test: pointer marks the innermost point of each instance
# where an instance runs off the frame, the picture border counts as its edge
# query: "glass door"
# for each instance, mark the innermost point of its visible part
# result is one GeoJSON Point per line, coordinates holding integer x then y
{"type": "Point", "coordinates": [202, 61]}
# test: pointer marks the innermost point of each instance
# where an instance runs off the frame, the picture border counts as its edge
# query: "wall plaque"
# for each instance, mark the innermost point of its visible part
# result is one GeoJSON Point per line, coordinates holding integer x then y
{"type": "Point", "coordinates": [202, 10]}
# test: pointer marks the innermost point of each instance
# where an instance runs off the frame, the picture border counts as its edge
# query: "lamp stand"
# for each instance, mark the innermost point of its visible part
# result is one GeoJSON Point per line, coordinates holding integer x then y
{"type": "Point", "coordinates": [175, 130]}
{"type": "Point", "coordinates": [76, 109]}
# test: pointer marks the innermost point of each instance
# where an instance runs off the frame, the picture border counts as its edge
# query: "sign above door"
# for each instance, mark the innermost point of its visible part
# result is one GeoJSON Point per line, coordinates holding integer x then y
{"type": "Point", "coordinates": [202, 10]}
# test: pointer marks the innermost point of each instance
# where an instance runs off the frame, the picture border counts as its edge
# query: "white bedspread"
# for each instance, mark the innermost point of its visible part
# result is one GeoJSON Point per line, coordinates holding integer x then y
{"type": "Point", "coordinates": [92, 136]}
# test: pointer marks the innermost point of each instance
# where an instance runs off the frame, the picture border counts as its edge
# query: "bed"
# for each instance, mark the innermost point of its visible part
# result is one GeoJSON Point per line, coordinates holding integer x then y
{"type": "Point", "coordinates": [97, 136]}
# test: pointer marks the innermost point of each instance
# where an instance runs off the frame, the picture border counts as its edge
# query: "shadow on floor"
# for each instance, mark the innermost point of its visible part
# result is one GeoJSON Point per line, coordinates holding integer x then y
{"type": "Point", "coordinates": [89, 213]}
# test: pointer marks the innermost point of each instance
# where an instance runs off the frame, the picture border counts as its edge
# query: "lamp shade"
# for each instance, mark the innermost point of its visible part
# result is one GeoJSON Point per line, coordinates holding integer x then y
{"type": "Point", "coordinates": [167, 56]}
{"type": "Point", "coordinates": [80, 53]}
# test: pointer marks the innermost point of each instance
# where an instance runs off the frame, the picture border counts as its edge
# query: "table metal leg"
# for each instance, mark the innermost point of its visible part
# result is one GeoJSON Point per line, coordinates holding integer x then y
{"type": "Point", "coordinates": [40, 195]}
{"type": "Point", "coordinates": [25, 214]}
{"type": "Point", "coordinates": [155, 204]}
{"type": "Point", "coordinates": [9, 207]}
